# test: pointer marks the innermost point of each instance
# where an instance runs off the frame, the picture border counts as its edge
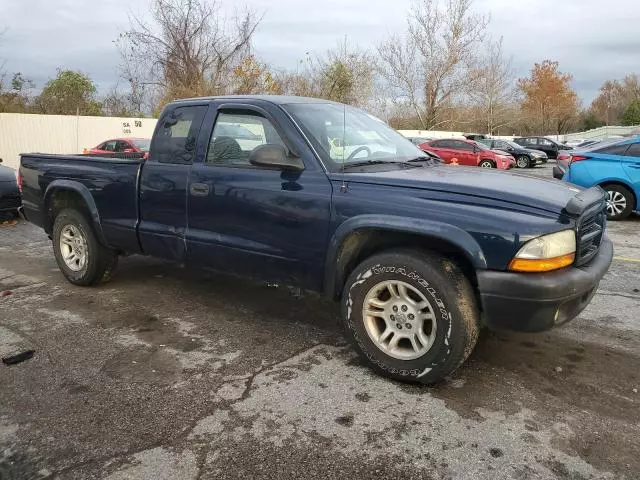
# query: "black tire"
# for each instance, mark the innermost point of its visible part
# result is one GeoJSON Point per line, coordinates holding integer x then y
{"type": "Point", "coordinates": [486, 164]}
{"type": "Point", "coordinates": [613, 191]}
{"type": "Point", "coordinates": [523, 161]}
{"type": "Point", "coordinates": [101, 261]}
{"type": "Point", "coordinates": [444, 285]}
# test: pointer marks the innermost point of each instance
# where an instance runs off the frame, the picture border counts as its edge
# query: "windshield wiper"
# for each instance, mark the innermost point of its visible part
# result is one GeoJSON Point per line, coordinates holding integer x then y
{"type": "Point", "coordinates": [426, 159]}
{"type": "Point", "coordinates": [375, 162]}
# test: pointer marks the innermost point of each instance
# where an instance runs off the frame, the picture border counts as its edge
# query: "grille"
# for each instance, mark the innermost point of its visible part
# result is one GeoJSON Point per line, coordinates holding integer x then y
{"type": "Point", "coordinates": [590, 231]}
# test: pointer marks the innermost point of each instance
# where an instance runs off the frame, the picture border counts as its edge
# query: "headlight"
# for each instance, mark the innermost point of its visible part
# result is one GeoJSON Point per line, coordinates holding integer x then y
{"type": "Point", "coordinates": [546, 253]}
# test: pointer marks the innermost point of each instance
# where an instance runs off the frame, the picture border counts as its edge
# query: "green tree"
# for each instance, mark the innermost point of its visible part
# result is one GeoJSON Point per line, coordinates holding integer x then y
{"type": "Point", "coordinates": [67, 94]}
{"type": "Point", "coordinates": [337, 82]}
{"type": "Point", "coordinates": [589, 119]}
{"type": "Point", "coordinates": [631, 115]}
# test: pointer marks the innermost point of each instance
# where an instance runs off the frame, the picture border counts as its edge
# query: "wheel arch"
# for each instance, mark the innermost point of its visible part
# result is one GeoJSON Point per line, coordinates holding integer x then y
{"type": "Point", "coordinates": [363, 236]}
{"type": "Point", "coordinates": [602, 184]}
{"type": "Point", "coordinates": [493, 162]}
{"type": "Point", "coordinates": [62, 194]}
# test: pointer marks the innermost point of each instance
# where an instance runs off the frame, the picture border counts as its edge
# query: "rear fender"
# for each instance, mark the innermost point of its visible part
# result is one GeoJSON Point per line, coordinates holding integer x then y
{"type": "Point", "coordinates": [89, 203]}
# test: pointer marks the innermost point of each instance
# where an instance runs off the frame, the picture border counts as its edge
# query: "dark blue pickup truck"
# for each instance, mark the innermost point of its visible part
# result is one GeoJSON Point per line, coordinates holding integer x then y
{"type": "Point", "coordinates": [326, 197]}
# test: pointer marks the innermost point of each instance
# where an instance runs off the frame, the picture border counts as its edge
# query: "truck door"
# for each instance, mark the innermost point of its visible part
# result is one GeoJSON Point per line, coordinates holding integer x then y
{"type": "Point", "coordinates": [254, 221]}
{"type": "Point", "coordinates": [164, 179]}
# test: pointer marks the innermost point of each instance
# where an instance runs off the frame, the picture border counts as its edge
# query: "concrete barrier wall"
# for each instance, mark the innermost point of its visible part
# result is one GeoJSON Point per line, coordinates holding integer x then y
{"type": "Point", "coordinates": [26, 133]}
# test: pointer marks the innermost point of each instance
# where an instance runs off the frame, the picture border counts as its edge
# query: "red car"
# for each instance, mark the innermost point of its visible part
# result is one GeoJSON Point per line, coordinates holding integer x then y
{"type": "Point", "coordinates": [122, 145]}
{"type": "Point", "coordinates": [470, 153]}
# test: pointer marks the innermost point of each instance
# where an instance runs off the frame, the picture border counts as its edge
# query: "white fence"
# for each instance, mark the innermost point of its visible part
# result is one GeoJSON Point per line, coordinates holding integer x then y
{"type": "Point", "coordinates": [595, 134]}
{"type": "Point", "coordinates": [26, 133]}
{"type": "Point", "coordinates": [601, 133]}
{"type": "Point", "coordinates": [443, 134]}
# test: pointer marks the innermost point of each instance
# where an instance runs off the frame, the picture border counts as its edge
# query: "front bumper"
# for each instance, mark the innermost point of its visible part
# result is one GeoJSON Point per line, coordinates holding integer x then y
{"type": "Point", "coordinates": [534, 302]}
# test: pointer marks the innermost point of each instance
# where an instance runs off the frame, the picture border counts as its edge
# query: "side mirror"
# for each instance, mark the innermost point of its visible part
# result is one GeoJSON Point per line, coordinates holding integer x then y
{"type": "Point", "coordinates": [476, 149]}
{"type": "Point", "coordinates": [274, 156]}
{"type": "Point", "coordinates": [0, 160]}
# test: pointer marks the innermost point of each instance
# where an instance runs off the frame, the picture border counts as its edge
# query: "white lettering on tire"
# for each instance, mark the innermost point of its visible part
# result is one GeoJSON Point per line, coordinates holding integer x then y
{"type": "Point", "coordinates": [377, 269]}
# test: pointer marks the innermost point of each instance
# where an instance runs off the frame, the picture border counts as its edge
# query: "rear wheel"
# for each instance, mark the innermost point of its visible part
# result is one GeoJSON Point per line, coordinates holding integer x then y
{"type": "Point", "coordinates": [486, 164]}
{"type": "Point", "coordinates": [523, 161]}
{"type": "Point", "coordinates": [411, 315]}
{"type": "Point", "coordinates": [620, 202]}
{"type": "Point", "coordinates": [80, 257]}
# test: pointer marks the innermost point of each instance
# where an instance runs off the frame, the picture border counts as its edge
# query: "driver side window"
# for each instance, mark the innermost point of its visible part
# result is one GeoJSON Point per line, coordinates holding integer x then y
{"type": "Point", "coordinates": [236, 135]}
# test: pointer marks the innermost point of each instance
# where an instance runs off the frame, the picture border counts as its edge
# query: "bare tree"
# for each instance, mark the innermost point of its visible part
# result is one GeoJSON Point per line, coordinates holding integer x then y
{"type": "Point", "coordinates": [442, 46]}
{"type": "Point", "coordinates": [190, 48]}
{"type": "Point", "coordinates": [400, 70]}
{"type": "Point", "coordinates": [494, 90]}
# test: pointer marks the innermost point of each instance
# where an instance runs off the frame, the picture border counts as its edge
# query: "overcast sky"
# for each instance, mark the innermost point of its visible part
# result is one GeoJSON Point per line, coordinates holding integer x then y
{"type": "Point", "coordinates": [594, 40]}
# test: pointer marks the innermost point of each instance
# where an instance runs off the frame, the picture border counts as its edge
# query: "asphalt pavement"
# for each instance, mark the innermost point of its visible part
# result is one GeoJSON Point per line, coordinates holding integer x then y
{"type": "Point", "coordinates": [168, 373]}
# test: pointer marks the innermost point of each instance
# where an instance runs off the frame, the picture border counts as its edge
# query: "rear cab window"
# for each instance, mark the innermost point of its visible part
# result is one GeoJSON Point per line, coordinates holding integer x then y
{"type": "Point", "coordinates": [177, 133]}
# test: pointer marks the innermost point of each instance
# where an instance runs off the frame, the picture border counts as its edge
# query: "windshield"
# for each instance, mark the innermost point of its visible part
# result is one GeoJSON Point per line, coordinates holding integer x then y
{"type": "Point", "coordinates": [512, 144]}
{"type": "Point", "coordinates": [345, 135]}
{"type": "Point", "coordinates": [142, 144]}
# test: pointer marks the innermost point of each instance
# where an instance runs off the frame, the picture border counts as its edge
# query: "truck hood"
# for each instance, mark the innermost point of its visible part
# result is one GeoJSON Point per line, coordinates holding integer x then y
{"type": "Point", "coordinates": [549, 195]}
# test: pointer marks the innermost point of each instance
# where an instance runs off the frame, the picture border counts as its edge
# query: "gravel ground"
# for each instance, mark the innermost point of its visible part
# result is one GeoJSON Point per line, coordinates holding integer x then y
{"type": "Point", "coordinates": [166, 373]}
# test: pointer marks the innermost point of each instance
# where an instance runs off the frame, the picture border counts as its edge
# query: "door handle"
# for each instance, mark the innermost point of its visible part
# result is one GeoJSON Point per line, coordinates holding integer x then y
{"type": "Point", "coordinates": [199, 189]}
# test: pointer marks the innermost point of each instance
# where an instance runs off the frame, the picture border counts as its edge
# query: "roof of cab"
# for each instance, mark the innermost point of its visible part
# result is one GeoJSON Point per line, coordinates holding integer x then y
{"type": "Point", "coordinates": [277, 99]}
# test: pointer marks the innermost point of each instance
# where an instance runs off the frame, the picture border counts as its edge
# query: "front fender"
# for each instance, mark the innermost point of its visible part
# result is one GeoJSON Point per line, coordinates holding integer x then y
{"type": "Point", "coordinates": [85, 194]}
{"type": "Point", "coordinates": [431, 229]}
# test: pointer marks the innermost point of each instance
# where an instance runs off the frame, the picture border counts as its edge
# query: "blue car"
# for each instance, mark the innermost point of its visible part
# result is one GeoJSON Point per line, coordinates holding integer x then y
{"type": "Point", "coordinates": [615, 168]}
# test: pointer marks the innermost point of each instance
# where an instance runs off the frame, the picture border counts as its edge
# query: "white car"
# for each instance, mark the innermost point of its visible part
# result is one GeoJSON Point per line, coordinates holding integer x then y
{"type": "Point", "coordinates": [575, 142]}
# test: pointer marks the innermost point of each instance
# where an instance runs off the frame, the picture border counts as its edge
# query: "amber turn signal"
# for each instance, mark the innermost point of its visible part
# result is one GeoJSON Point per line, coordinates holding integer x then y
{"type": "Point", "coordinates": [541, 264]}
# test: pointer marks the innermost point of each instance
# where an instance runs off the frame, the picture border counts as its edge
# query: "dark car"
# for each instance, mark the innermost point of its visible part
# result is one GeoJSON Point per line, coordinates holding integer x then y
{"type": "Point", "coordinates": [421, 255]}
{"type": "Point", "coordinates": [9, 193]}
{"type": "Point", "coordinates": [546, 145]}
{"type": "Point", "coordinates": [525, 157]}
{"type": "Point", "coordinates": [474, 136]}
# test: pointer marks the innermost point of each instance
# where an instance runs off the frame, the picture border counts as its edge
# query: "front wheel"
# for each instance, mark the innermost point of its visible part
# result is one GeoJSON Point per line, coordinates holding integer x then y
{"type": "Point", "coordinates": [486, 164]}
{"type": "Point", "coordinates": [411, 315]}
{"type": "Point", "coordinates": [523, 161]}
{"type": "Point", "coordinates": [619, 202]}
{"type": "Point", "coordinates": [80, 256]}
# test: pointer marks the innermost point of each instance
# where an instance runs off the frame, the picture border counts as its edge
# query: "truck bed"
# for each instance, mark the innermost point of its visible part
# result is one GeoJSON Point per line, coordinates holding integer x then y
{"type": "Point", "coordinates": [109, 186]}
